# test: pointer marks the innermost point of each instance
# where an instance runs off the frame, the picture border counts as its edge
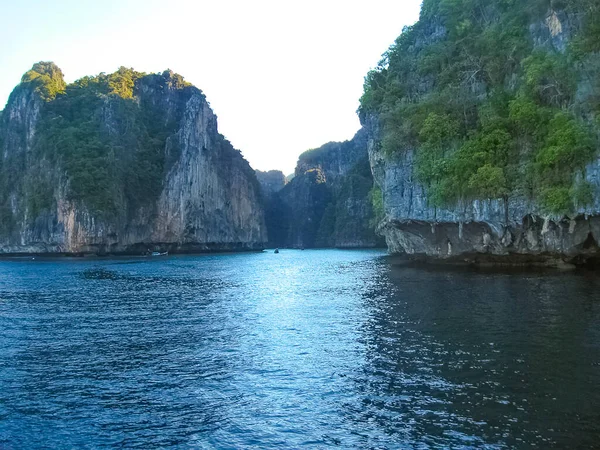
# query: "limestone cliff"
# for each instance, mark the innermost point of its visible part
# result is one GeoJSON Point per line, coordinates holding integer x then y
{"type": "Point", "coordinates": [121, 163]}
{"type": "Point", "coordinates": [276, 212]}
{"type": "Point", "coordinates": [272, 181]}
{"type": "Point", "coordinates": [482, 133]}
{"type": "Point", "coordinates": [328, 201]}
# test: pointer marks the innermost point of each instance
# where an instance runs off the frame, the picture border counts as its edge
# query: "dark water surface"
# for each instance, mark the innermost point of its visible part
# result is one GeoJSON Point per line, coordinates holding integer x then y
{"type": "Point", "coordinates": [309, 349]}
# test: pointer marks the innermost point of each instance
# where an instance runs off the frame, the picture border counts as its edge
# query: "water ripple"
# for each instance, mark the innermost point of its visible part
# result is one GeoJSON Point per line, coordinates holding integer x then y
{"type": "Point", "coordinates": [309, 349]}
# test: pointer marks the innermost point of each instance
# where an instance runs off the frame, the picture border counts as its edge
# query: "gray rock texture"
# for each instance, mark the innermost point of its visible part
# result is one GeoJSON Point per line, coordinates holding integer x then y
{"type": "Point", "coordinates": [209, 197]}
{"type": "Point", "coordinates": [272, 181]}
{"type": "Point", "coordinates": [483, 229]}
{"type": "Point", "coordinates": [327, 203]}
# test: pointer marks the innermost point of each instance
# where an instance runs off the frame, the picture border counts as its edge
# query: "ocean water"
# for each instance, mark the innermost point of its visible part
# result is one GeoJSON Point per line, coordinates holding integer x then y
{"type": "Point", "coordinates": [305, 349]}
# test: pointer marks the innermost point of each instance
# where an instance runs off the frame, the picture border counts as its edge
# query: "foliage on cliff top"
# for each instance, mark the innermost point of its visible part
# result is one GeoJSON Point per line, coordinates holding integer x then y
{"type": "Point", "coordinates": [488, 94]}
{"type": "Point", "coordinates": [315, 154]}
{"type": "Point", "coordinates": [113, 141]}
{"type": "Point", "coordinates": [46, 78]}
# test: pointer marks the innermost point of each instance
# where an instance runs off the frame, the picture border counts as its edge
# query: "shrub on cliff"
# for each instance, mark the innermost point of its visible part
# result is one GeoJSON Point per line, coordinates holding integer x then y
{"type": "Point", "coordinates": [46, 79]}
{"type": "Point", "coordinates": [490, 105]}
{"type": "Point", "coordinates": [110, 143]}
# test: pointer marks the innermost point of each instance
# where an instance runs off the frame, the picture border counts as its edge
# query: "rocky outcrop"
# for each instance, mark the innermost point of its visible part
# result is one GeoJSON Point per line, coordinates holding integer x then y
{"type": "Point", "coordinates": [512, 228]}
{"type": "Point", "coordinates": [415, 227]}
{"type": "Point", "coordinates": [328, 201]}
{"type": "Point", "coordinates": [206, 197]}
{"type": "Point", "coordinates": [271, 182]}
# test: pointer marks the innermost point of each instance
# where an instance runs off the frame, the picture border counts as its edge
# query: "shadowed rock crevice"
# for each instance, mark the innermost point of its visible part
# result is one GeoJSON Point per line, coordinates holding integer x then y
{"type": "Point", "coordinates": [590, 243]}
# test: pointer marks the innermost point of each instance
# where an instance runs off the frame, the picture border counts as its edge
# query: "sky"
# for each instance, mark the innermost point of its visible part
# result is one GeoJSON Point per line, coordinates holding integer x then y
{"type": "Point", "coordinates": [282, 76]}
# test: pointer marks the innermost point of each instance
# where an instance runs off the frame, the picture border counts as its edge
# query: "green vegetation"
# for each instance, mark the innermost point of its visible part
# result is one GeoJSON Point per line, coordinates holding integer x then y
{"type": "Point", "coordinates": [355, 189]}
{"type": "Point", "coordinates": [315, 155]}
{"type": "Point", "coordinates": [330, 203]}
{"type": "Point", "coordinates": [108, 138]}
{"type": "Point", "coordinates": [349, 215]}
{"type": "Point", "coordinates": [110, 144]}
{"type": "Point", "coordinates": [39, 194]}
{"type": "Point", "coordinates": [46, 79]}
{"type": "Point", "coordinates": [376, 198]}
{"type": "Point", "coordinates": [490, 113]}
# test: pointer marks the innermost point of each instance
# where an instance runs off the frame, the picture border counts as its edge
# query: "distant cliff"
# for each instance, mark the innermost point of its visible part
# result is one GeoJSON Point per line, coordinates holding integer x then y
{"type": "Point", "coordinates": [272, 181]}
{"type": "Point", "coordinates": [120, 163]}
{"type": "Point", "coordinates": [482, 125]}
{"type": "Point", "coordinates": [328, 202]}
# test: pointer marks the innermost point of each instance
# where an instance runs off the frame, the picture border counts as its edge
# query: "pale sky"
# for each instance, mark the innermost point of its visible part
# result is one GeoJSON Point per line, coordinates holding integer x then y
{"type": "Point", "coordinates": [282, 76]}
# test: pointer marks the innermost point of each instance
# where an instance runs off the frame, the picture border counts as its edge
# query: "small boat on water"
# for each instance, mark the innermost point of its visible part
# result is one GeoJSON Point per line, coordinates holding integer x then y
{"type": "Point", "coordinates": [159, 254]}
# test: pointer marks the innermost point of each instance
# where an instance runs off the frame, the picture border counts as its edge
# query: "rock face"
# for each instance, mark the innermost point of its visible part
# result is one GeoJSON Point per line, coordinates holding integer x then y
{"type": "Point", "coordinates": [414, 227]}
{"type": "Point", "coordinates": [515, 228]}
{"type": "Point", "coordinates": [328, 201]}
{"type": "Point", "coordinates": [271, 182]}
{"type": "Point", "coordinates": [276, 212]}
{"type": "Point", "coordinates": [204, 195]}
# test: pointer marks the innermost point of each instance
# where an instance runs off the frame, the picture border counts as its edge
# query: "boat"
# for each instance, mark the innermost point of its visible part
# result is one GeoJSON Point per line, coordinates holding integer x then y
{"type": "Point", "coordinates": [159, 254]}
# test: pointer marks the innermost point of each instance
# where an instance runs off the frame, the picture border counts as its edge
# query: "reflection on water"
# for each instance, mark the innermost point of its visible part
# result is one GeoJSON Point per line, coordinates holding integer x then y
{"type": "Point", "coordinates": [301, 349]}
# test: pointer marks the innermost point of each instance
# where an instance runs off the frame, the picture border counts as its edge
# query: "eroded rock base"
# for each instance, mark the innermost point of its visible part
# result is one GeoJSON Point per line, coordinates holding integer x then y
{"type": "Point", "coordinates": [536, 241]}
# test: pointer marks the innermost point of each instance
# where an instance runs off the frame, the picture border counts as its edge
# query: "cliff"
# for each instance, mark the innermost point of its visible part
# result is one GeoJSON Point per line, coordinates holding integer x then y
{"type": "Point", "coordinates": [271, 182]}
{"type": "Point", "coordinates": [328, 202]}
{"type": "Point", "coordinates": [121, 163]}
{"type": "Point", "coordinates": [482, 124]}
